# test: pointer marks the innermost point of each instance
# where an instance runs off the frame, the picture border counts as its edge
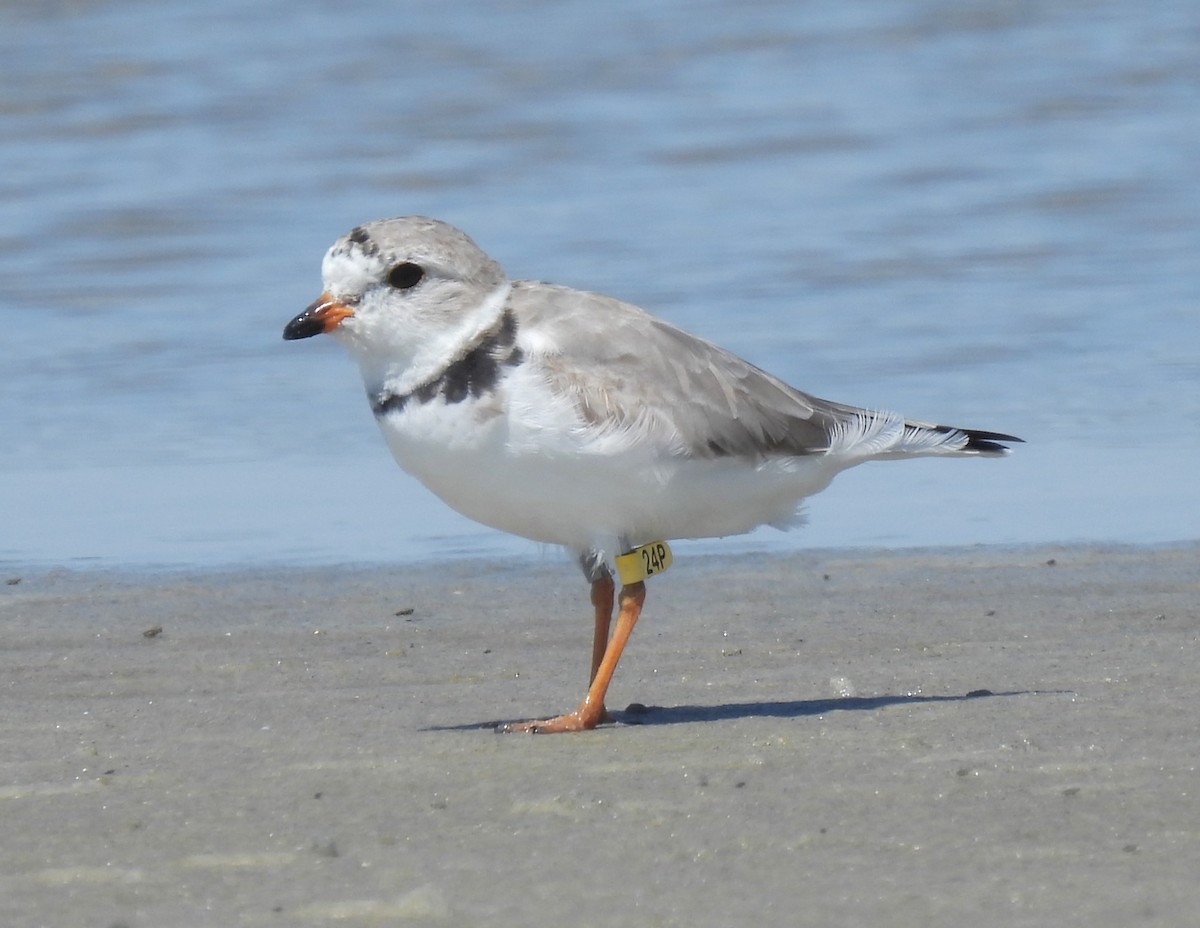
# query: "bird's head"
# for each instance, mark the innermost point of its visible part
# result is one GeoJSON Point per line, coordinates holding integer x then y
{"type": "Point", "coordinates": [395, 288]}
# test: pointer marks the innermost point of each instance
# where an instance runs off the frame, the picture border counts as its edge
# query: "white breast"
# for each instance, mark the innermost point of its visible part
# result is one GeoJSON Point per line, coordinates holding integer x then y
{"type": "Point", "coordinates": [522, 461]}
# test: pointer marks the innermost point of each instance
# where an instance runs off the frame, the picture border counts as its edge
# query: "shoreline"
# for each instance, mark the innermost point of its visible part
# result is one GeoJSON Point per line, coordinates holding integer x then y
{"type": "Point", "coordinates": [538, 556]}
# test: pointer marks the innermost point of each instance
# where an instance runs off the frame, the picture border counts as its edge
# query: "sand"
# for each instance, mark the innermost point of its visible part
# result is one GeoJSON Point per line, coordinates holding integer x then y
{"type": "Point", "coordinates": [969, 737]}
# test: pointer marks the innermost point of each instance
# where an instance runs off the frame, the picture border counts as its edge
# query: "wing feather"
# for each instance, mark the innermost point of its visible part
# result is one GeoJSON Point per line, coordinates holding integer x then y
{"type": "Point", "coordinates": [629, 373]}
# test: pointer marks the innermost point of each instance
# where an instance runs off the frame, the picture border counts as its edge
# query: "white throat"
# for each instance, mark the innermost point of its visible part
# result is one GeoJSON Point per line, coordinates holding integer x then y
{"type": "Point", "coordinates": [385, 368]}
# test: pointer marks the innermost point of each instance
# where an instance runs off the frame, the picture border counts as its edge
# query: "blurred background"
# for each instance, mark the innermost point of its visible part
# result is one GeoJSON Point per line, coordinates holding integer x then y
{"type": "Point", "coordinates": [983, 212]}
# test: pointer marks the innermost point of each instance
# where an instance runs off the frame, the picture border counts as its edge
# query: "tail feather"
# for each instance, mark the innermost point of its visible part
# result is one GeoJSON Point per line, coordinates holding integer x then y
{"type": "Point", "coordinates": [872, 434]}
{"type": "Point", "coordinates": [976, 441]}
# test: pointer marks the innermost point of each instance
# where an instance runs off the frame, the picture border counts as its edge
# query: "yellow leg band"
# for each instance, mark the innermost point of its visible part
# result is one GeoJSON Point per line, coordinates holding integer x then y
{"type": "Point", "coordinates": [643, 562]}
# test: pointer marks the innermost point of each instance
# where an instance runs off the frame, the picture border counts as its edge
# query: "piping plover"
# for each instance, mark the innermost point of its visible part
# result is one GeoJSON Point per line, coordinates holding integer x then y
{"type": "Point", "coordinates": [575, 419]}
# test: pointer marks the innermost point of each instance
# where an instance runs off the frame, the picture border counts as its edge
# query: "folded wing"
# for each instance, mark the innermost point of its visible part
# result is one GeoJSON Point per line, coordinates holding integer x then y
{"type": "Point", "coordinates": [628, 373]}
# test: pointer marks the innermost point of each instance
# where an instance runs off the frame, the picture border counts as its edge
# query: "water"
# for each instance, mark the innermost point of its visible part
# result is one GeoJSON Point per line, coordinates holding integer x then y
{"type": "Point", "coordinates": [986, 213]}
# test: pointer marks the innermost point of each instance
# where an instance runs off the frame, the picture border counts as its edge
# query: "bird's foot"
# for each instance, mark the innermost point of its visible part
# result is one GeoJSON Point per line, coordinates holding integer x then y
{"type": "Point", "coordinates": [578, 720]}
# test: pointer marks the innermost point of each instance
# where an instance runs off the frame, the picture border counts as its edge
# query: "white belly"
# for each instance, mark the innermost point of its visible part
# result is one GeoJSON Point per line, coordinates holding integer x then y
{"type": "Point", "coordinates": [547, 481]}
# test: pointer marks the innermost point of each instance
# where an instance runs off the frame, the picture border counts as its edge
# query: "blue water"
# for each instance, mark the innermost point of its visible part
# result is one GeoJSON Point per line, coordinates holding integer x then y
{"type": "Point", "coordinates": [985, 213]}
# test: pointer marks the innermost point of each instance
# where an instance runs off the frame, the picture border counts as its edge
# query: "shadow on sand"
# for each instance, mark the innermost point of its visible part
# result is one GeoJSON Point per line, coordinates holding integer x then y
{"type": "Point", "coordinates": [637, 714]}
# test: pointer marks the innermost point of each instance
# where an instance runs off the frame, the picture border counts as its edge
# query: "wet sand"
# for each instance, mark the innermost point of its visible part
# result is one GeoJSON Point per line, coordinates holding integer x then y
{"type": "Point", "coordinates": [978, 736]}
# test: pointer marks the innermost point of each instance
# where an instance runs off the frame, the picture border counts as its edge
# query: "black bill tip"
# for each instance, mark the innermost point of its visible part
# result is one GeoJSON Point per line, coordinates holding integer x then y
{"type": "Point", "coordinates": [306, 325]}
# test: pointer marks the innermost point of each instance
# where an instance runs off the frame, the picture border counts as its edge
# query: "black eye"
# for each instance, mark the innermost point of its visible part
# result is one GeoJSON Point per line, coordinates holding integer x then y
{"type": "Point", "coordinates": [406, 275]}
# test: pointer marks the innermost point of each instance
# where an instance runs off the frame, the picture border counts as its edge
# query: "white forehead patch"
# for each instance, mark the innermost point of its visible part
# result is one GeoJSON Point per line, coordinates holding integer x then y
{"type": "Point", "coordinates": [348, 269]}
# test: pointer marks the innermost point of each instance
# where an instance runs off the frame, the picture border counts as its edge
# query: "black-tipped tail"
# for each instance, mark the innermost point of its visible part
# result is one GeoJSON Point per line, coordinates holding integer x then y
{"type": "Point", "coordinates": [927, 438]}
{"type": "Point", "coordinates": [980, 442]}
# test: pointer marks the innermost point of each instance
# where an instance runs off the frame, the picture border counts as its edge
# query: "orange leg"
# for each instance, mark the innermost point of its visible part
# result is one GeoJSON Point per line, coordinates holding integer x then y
{"type": "Point", "coordinates": [602, 601]}
{"type": "Point", "coordinates": [591, 712]}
